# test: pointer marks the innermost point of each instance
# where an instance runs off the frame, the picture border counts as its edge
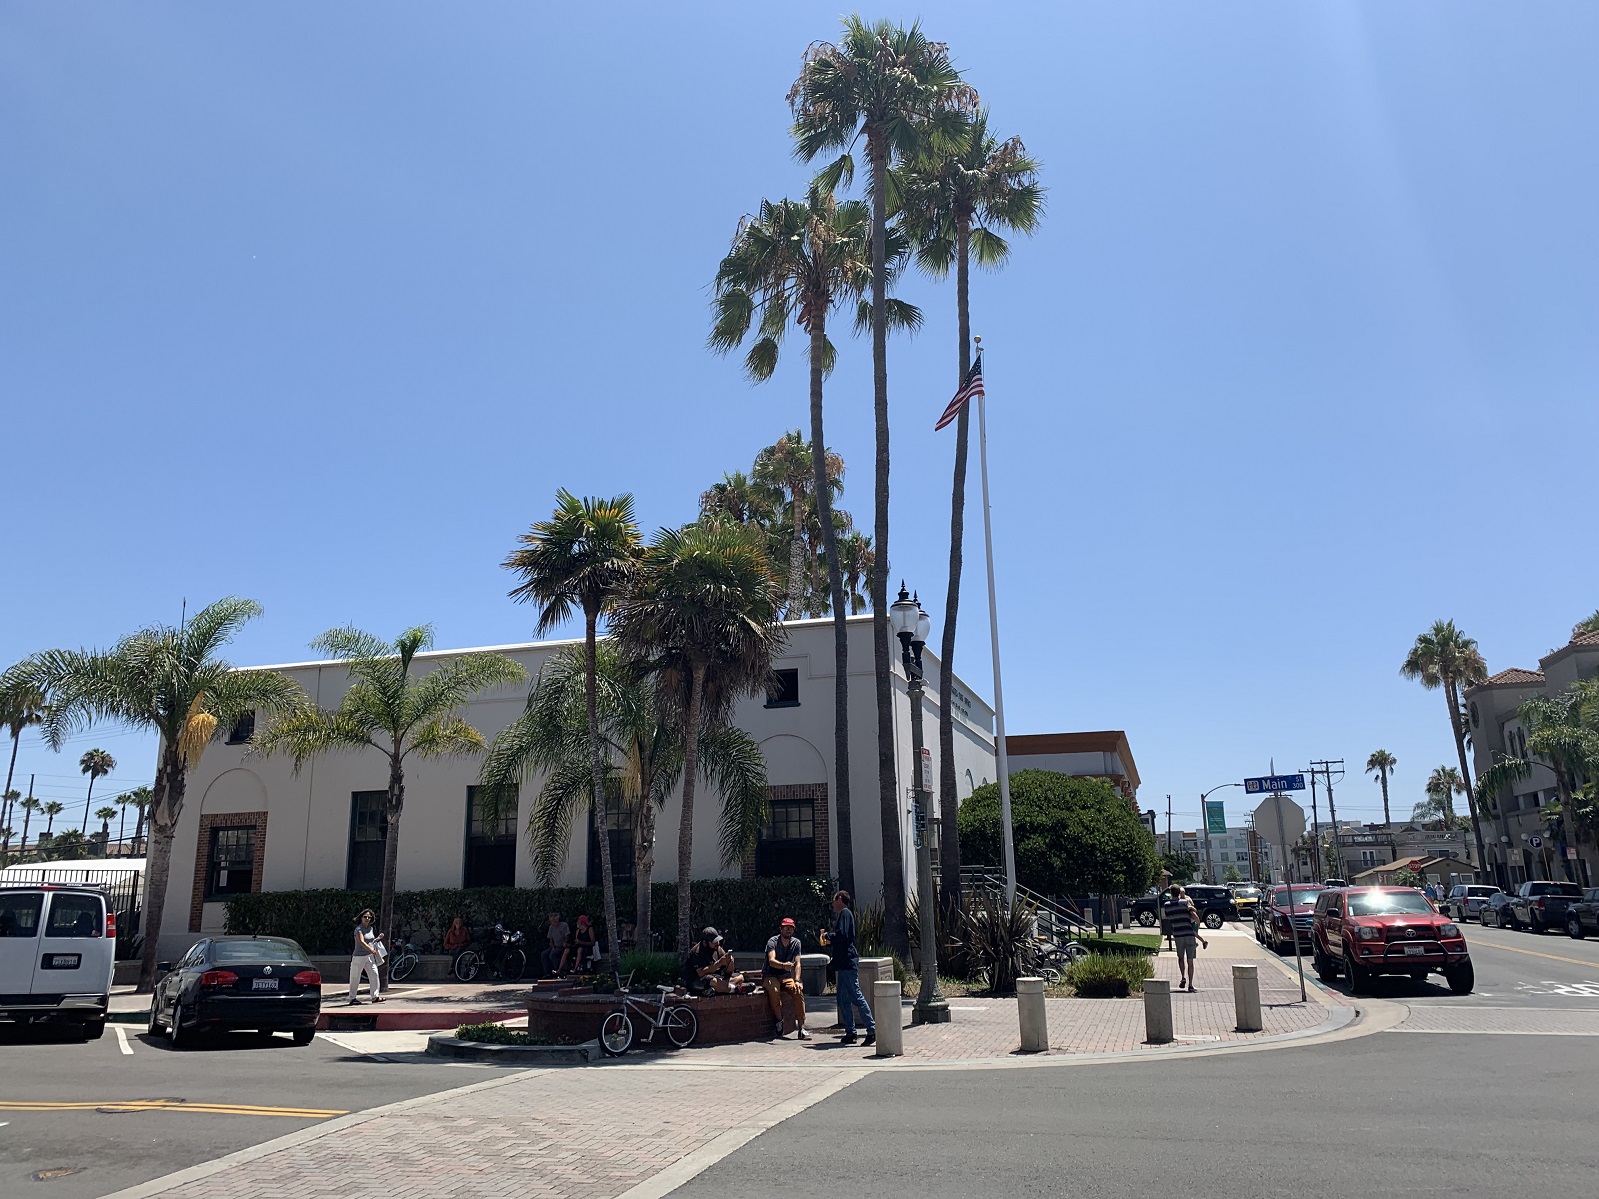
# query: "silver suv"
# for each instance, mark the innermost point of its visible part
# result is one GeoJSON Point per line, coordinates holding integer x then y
{"type": "Point", "coordinates": [1466, 901]}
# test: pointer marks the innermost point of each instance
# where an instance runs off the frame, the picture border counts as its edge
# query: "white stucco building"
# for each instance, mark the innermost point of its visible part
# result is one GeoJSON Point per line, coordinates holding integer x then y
{"type": "Point", "coordinates": [252, 824]}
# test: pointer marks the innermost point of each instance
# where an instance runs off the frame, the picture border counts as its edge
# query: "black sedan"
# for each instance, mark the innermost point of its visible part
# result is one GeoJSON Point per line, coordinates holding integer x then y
{"type": "Point", "coordinates": [1497, 912]}
{"type": "Point", "coordinates": [261, 983]}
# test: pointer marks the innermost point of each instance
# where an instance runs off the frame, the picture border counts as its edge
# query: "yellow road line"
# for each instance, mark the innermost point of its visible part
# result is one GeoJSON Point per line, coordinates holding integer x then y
{"type": "Point", "coordinates": [1533, 953]}
{"type": "Point", "coordinates": [159, 1105]}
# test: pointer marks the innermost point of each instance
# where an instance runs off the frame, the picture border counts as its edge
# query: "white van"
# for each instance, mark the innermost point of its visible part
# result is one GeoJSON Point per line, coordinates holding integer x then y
{"type": "Point", "coordinates": [57, 950]}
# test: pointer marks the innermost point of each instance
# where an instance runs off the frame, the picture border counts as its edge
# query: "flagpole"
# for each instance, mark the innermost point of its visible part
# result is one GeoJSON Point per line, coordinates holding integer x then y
{"type": "Point", "coordinates": [993, 629]}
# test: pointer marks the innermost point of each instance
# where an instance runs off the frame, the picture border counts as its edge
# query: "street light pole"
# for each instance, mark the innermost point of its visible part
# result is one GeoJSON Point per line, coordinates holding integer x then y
{"type": "Point", "coordinates": [1204, 818]}
{"type": "Point", "coordinates": [912, 626]}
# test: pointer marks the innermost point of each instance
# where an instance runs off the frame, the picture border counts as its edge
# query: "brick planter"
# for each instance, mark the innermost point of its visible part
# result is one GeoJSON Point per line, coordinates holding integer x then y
{"type": "Point", "coordinates": [723, 1019]}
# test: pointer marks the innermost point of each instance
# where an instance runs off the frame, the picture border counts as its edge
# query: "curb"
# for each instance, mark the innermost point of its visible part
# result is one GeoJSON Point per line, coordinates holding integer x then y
{"type": "Point", "coordinates": [339, 1019]}
{"type": "Point", "coordinates": [445, 1045]}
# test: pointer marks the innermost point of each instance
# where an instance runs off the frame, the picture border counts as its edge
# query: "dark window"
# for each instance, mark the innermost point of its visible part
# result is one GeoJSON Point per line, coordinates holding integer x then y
{"type": "Point", "coordinates": [369, 827]}
{"type": "Point", "coordinates": [783, 690]}
{"type": "Point", "coordinates": [258, 949]}
{"type": "Point", "coordinates": [243, 729]}
{"type": "Point", "coordinates": [232, 869]}
{"type": "Point", "coordinates": [19, 914]}
{"type": "Point", "coordinates": [621, 822]}
{"type": "Point", "coordinates": [73, 916]}
{"type": "Point", "coordinates": [787, 842]}
{"type": "Point", "coordinates": [490, 844]}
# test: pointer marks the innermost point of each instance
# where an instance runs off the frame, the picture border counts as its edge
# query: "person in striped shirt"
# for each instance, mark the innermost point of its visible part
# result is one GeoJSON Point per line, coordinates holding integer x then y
{"type": "Point", "coordinates": [1182, 922]}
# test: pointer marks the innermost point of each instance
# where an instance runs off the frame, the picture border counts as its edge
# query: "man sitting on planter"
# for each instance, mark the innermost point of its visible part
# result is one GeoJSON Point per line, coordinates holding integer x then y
{"type": "Point", "coordinates": [781, 978]}
{"type": "Point", "coordinates": [708, 969]}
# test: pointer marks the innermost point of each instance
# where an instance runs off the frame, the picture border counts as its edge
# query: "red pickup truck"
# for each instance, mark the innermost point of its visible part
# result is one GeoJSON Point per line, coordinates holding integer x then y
{"type": "Point", "coordinates": [1361, 932]}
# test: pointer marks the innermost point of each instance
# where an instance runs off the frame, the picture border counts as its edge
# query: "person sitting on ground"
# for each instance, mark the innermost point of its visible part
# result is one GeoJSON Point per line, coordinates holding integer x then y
{"type": "Point", "coordinates": [781, 978]}
{"type": "Point", "coordinates": [708, 969]}
{"type": "Point", "coordinates": [582, 950]}
{"type": "Point", "coordinates": [457, 937]}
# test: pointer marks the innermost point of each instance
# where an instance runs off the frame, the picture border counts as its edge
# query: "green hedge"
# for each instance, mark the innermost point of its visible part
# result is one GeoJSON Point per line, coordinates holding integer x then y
{"type": "Point", "coordinates": [745, 910]}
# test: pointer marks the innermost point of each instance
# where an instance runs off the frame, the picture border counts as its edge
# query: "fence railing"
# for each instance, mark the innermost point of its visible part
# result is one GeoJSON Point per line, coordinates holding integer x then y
{"type": "Point", "coordinates": [1057, 919]}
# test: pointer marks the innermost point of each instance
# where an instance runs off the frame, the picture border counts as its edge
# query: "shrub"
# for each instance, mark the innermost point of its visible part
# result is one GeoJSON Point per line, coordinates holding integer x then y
{"type": "Point", "coordinates": [1001, 943]}
{"type": "Point", "coordinates": [650, 970]}
{"type": "Point", "coordinates": [746, 911]}
{"type": "Point", "coordinates": [498, 1034]}
{"type": "Point", "coordinates": [1108, 976]}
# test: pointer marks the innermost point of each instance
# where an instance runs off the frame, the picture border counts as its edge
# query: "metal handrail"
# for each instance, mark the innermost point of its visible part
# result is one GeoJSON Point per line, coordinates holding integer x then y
{"type": "Point", "coordinates": [986, 879]}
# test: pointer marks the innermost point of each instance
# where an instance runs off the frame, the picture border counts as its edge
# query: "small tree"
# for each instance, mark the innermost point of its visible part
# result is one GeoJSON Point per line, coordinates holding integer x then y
{"type": "Point", "coordinates": [1231, 875]}
{"type": "Point", "coordinates": [1073, 836]}
{"type": "Point", "coordinates": [1181, 866]}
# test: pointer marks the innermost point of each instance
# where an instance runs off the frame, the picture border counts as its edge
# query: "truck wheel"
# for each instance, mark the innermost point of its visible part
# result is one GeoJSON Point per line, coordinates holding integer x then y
{"type": "Point", "coordinates": [1359, 979]}
{"type": "Point", "coordinates": [1532, 924]}
{"type": "Point", "coordinates": [1325, 968]}
{"type": "Point", "coordinates": [1212, 920]}
{"type": "Point", "coordinates": [1460, 978]}
{"type": "Point", "coordinates": [1147, 919]}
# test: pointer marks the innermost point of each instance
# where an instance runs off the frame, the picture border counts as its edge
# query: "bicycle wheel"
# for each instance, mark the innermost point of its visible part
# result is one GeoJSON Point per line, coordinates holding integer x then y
{"type": "Point", "coordinates": [682, 1025]}
{"type": "Point", "coordinates": [616, 1034]}
{"type": "Point", "coordinates": [468, 965]}
{"type": "Point", "coordinates": [513, 965]}
{"type": "Point", "coordinates": [400, 969]}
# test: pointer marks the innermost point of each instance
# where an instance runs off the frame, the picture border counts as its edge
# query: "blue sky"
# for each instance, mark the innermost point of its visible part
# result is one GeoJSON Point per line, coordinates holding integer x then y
{"type": "Point", "coordinates": [320, 304]}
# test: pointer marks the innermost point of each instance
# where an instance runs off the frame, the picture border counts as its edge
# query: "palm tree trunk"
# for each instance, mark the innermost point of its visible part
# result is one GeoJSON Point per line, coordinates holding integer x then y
{"type": "Point", "coordinates": [591, 669]}
{"type": "Point", "coordinates": [888, 800]}
{"type": "Point", "coordinates": [27, 818]}
{"type": "Point", "coordinates": [138, 829]}
{"type": "Point", "coordinates": [835, 591]}
{"type": "Point", "coordinates": [1568, 823]}
{"type": "Point", "coordinates": [391, 846]}
{"type": "Point", "coordinates": [5, 814]}
{"type": "Point", "coordinates": [949, 848]}
{"type": "Point", "coordinates": [165, 803]}
{"type": "Point", "coordinates": [796, 562]}
{"type": "Point", "coordinates": [1453, 700]}
{"type": "Point", "coordinates": [1382, 776]}
{"type": "Point", "coordinates": [88, 803]}
{"type": "Point", "coordinates": [122, 825]}
{"type": "Point", "coordinates": [685, 831]}
{"type": "Point", "coordinates": [643, 870]}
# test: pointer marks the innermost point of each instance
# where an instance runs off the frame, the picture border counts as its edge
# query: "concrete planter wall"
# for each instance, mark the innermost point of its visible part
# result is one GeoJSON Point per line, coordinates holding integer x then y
{"type": "Point", "coordinates": [723, 1019]}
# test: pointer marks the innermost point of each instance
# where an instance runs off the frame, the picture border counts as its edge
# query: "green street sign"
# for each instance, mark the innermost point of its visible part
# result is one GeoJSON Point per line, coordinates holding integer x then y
{"type": "Point", "coordinates": [1215, 816]}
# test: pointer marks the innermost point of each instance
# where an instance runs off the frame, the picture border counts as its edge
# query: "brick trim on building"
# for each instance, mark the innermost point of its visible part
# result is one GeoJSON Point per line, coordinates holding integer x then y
{"type": "Point", "coordinates": [821, 825]}
{"type": "Point", "coordinates": [202, 855]}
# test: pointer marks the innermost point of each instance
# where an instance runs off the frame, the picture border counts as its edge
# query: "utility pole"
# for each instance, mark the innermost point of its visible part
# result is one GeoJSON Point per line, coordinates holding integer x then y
{"type": "Point", "coordinates": [1168, 824]}
{"type": "Point", "coordinates": [1315, 831]}
{"type": "Point", "coordinates": [1327, 766]}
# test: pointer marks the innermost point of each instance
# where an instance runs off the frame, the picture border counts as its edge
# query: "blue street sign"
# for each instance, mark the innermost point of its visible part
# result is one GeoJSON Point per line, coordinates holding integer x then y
{"type": "Point", "coordinates": [1274, 782]}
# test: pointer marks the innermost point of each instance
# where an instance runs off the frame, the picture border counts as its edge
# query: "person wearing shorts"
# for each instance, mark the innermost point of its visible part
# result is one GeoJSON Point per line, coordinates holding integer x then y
{"type": "Point", "coordinates": [1182, 921]}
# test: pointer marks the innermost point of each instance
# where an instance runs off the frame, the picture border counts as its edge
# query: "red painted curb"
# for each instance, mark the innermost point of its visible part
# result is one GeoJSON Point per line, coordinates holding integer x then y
{"type": "Point", "coordinates": [374, 1018]}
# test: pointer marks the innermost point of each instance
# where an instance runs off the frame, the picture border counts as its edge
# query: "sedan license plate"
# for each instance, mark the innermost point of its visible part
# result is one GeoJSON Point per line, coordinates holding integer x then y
{"type": "Point", "coordinates": [1415, 951]}
{"type": "Point", "coordinates": [271, 984]}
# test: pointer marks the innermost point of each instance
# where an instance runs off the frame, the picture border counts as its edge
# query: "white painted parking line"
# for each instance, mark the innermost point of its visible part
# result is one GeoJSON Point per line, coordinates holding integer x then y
{"type": "Point", "coordinates": [122, 1039]}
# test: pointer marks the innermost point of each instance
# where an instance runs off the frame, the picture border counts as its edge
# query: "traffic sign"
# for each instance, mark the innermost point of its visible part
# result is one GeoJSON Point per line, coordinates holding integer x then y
{"type": "Point", "coordinates": [1571, 852]}
{"type": "Point", "coordinates": [1535, 842]}
{"type": "Point", "coordinates": [1274, 782]}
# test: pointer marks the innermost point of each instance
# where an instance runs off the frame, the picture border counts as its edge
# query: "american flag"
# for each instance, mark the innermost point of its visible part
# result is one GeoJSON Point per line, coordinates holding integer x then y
{"type": "Point", "coordinates": [970, 386]}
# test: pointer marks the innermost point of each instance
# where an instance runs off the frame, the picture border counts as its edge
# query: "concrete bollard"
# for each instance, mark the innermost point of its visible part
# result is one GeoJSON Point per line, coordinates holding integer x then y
{"type": "Point", "coordinates": [1158, 1028]}
{"type": "Point", "coordinates": [813, 973]}
{"type": "Point", "coordinates": [1246, 996]}
{"type": "Point", "coordinates": [873, 970]}
{"type": "Point", "coordinates": [890, 1019]}
{"type": "Point", "coordinates": [1030, 1013]}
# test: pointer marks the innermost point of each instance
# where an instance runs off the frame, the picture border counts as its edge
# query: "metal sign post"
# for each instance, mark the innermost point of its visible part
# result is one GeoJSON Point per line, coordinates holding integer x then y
{"type": "Point", "coordinates": [1293, 928]}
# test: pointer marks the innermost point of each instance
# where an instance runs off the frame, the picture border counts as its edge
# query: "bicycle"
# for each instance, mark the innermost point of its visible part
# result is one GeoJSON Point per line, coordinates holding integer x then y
{"type": "Point", "coordinates": [1056, 959]}
{"type": "Point", "coordinates": [677, 1020]}
{"type": "Point", "coordinates": [500, 949]}
{"type": "Point", "coordinates": [405, 960]}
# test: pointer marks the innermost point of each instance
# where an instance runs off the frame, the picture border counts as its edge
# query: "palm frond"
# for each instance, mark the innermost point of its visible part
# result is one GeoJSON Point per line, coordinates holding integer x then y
{"type": "Point", "coordinates": [732, 763]}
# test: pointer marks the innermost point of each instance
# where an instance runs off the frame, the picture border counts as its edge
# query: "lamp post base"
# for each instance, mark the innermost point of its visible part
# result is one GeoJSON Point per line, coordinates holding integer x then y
{"type": "Point", "coordinates": [933, 1011]}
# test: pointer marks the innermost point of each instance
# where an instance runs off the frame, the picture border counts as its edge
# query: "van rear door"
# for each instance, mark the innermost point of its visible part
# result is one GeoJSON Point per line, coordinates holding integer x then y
{"type": "Point", "coordinates": [74, 956]}
{"type": "Point", "coordinates": [20, 912]}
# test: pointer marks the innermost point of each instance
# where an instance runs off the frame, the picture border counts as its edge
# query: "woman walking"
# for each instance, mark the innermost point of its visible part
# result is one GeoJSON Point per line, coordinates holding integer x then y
{"type": "Point", "coordinates": [366, 955]}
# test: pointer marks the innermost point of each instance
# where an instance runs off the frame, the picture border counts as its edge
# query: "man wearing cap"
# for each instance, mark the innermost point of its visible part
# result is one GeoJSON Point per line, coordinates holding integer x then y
{"type": "Point", "coordinates": [708, 967]}
{"type": "Point", "coordinates": [781, 978]}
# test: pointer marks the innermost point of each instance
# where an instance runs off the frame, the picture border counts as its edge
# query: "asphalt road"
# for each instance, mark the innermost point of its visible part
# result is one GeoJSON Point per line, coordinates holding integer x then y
{"type": "Point", "coordinates": [113, 1149]}
{"type": "Point", "coordinates": [1389, 1115]}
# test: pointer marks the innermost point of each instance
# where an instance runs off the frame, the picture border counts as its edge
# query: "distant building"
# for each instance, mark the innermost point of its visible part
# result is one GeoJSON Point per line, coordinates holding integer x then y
{"type": "Point", "coordinates": [1241, 848]}
{"type": "Point", "coordinates": [1521, 843]}
{"type": "Point", "coordinates": [1102, 755]}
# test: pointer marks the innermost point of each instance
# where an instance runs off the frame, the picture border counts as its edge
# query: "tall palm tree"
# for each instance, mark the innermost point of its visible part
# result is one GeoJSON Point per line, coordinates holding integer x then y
{"type": "Point", "coordinates": [97, 763]}
{"type": "Point", "coordinates": [738, 498]}
{"type": "Point", "coordinates": [140, 798]}
{"type": "Point", "coordinates": [170, 681]}
{"type": "Point", "coordinates": [581, 560]}
{"type": "Point", "coordinates": [393, 709]}
{"type": "Point", "coordinates": [1444, 657]}
{"type": "Point", "coordinates": [892, 86]}
{"type": "Point", "coordinates": [68, 846]}
{"type": "Point", "coordinates": [1442, 786]}
{"type": "Point", "coordinates": [8, 832]}
{"type": "Point", "coordinates": [793, 263]}
{"type": "Point", "coordinates": [702, 621]}
{"type": "Point", "coordinates": [104, 815]}
{"type": "Point", "coordinates": [122, 801]}
{"type": "Point", "coordinates": [787, 467]}
{"type": "Point", "coordinates": [22, 705]}
{"type": "Point", "coordinates": [643, 752]}
{"type": "Point", "coordinates": [1382, 763]}
{"type": "Point", "coordinates": [1563, 731]}
{"type": "Point", "coordinates": [955, 197]}
{"type": "Point", "coordinates": [51, 810]}
{"type": "Point", "coordinates": [29, 806]}
{"type": "Point", "coordinates": [1588, 625]}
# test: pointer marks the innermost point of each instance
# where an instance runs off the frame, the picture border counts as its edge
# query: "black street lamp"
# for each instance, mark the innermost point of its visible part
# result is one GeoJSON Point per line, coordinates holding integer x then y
{"type": "Point", "coordinates": [912, 625]}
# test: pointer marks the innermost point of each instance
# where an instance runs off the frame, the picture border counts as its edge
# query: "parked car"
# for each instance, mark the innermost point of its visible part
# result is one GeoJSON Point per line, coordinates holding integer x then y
{"type": "Point", "coordinates": [1497, 912]}
{"type": "Point", "coordinates": [224, 983]}
{"type": "Point", "coordinates": [58, 947]}
{"type": "Point", "coordinates": [1283, 911]}
{"type": "Point", "coordinates": [1582, 917]}
{"type": "Point", "coordinates": [1361, 932]}
{"type": "Point", "coordinates": [1466, 900]}
{"type": "Point", "coordinates": [1146, 909]}
{"type": "Point", "coordinates": [1542, 904]}
{"type": "Point", "coordinates": [1215, 904]}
